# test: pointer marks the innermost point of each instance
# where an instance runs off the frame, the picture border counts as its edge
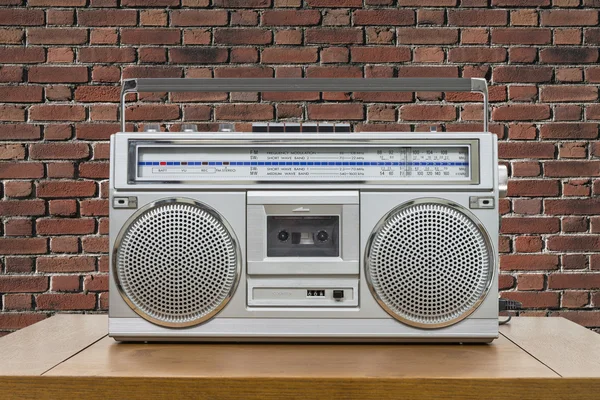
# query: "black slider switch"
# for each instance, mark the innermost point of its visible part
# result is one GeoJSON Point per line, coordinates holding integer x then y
{"type": "Point", "coordinates": [338, 294]}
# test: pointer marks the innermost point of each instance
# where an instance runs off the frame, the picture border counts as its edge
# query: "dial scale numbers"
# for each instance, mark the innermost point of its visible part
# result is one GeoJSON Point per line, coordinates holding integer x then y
{"type": "Point", "coordinates": [304, 163]}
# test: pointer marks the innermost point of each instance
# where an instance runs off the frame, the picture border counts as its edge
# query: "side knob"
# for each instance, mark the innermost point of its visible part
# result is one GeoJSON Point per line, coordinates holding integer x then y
{"type": "Point", "coordinates": [502, 180]}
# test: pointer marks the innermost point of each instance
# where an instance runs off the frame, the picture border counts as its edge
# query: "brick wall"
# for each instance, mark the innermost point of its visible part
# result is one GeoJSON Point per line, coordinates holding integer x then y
{"type": "Point", "coordinates": [61, 62]}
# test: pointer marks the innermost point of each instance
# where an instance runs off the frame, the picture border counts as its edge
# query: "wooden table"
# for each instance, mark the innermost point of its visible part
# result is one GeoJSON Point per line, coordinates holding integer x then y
{"type": "Point", "coordinates": [70, 356]}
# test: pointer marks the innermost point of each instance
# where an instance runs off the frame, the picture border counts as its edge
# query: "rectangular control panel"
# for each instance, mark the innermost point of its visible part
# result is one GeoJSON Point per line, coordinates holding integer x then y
{"type": "Point", "coordinates": [443, 162]}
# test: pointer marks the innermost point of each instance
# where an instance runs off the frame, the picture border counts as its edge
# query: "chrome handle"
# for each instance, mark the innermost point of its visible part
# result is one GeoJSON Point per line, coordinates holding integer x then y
{"type": "Point", "coordinates": [139, 85]}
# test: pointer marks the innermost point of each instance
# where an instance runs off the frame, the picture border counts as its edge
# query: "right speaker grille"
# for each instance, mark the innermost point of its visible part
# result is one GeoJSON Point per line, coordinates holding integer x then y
{"type": "Point", "coordinates": [429, 263]}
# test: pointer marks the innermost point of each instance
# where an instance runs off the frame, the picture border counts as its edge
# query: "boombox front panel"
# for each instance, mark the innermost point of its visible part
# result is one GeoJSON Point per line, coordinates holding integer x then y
{"type": "Point", "coordinates": [333, 284]}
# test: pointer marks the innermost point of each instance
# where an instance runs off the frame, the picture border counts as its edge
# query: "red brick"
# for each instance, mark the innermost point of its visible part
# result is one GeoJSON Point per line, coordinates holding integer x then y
{"type": "Point", "coordinates": [59, 151]}
{"type": "Point", "coordinates": [528, 244]}
{"type": "Point", "coordinates": [19, 320]}
{"type": "Point", "coordinates": [568, 55]}
{"type": "Point", "coordinates": [477, 54]}
{"type": "Point", "coordinates": [194, 55]}
{"type": "Point", "coordinates": [107, 17]}
{"type": "Point", "coordinates": [477, 17]}
{"type": "Point", "coordinates": [522, 93]}
{"type": "Point", "coordinates": [22, 55]}
{"type": "Point", "coordinates": [57, 226]}
{"type": "Point", "coordinates": [149, 3]}
{"type": "Point", "coordinates": [66, 264]}
{"type": "Point", "coordinates": [540, 150]}
{"type": "Point", "coordinates": [17, 302]}
{"type": "Point", "coordinates": [20, 132]}
{"type": "Point", "coordinates": [567, 112]}
{"type": "Point", "coordinates": [284, 55]}
{"type": "Point", "coordinates": [574, 261]}
{"type": "Point", "coordinates": [21, 17]}
{"type": "Point", "coordinates": [380, 54]}
{"type": "Point", "coordinates": [526, 169]}
{"type": "Point", "coordinates": [65, 283]}
{"type": "Point", "coordinates": [23, 284]}
{"type": "Point", "coordinates": [335, 3]}
{"type": "Point", "coordinates": [60, 170]}
{"type": "Point", "coordinates": [150, 36]}
{"type": "Point", "coordinates": [521, 36]}
{"type": "Point", "coordinates": [243, 55]}
{"type": "Point", "coordinates": [198, 17]}
{"type": "Point", "coordinates": [530, 282]}
{"type": "Point", "coordinates": [18, 227]}
{"type": "Point", "coordinates": [569, 18]}
{"type": "Point", "coordinates": [568, 93]}
{"type": "Point", "coordinates": [64, 244]}
{"type": "Point", "coordinates": [49, 74]}
{"type": "Point", "coordinates": [21, 94]}
{"type": "Point", "coordinates": [427, 35]}
{"type": "Point", "coordinates": [521, 112]}
{"type": "Point", "coordinates": [244, 18]}
{"type": "Point", "coordinates": [574, 224]}
{"type": "Point", "coordinates": [520, 3]}
{"type": "Point", "coordinates": [506, 282]}
{"type": "Point", "coordinates": [148, 112]}
{"type": "Point", "coordinates": [106, 54]}
{"type": "Point", "coordinates": [530, 225]}
{"type": "Point", "coordinates": [60, 17]}
{"type": "Point", "coordinates": [584, 130]}
{"type": "Point", "coordinates": [66, 189]}
{"type": "Point", "coordinates": [522, 54]}
{"type": "Point", "coordinates": [12, 152]}
{"type": "Point", "coordinates": [574, 281]}
{"type": "Point", "coordinates": [417, 112]}
{"type": "Point", "coordinates": [96, 283]}
{"type": "Point", "coordinates": [574, 299]}
{"type": "Point", "coordinates": [335, 112]}
{"type": "Point", "coordinates": [18, 264]}
{"type": "Point", "coordinates": [23, 246]}
{"type": "Point", "coordinates": [56, 36]}
{"type": "Point", "coordinates": [573, 206]}
{"type": "Point", "coordinates": [94, 170]}
{"type": "Point", "coordinates": [51, 112]}
{"type": "Point", "coordinates": [533, 188]}
{"type": "Point", "coordinates": [21, 207]}
{"type": "Point", "coordinates": [95, 244]}
{"type": "Point", "coordinates": [336, 55]}
{"type": "Point", "coordinates": [334, 36]}
{"type": "Point", "coordinates": [534, 299]}
{"type": "Point", "coordinates": [242, 3]}
{"type": "Point", "coordinates": [522, 74]}
{"type": "Point", "coordinates": [11, 73]}
{"type": "Point", "coordinates": [74, 301]}
{"type": "Point", "coordinates": [291, 17]}
{"type": "Point", "coordinates": [242, 36]}
{"type": "Point", "coordinates": [244, 112]}
{"type": "Point", "coordinates": [573, 243]}
{"type": "Point", "coordinates": [384, 17]}
{"type": "Point", "coordinates": [60, 3]}
{"type": "Point", "coordinates": [572, 168]}
{"type": "Point", "coordinates": [576, 187]}
{"type": "Point", "coordinates": [17, 188]}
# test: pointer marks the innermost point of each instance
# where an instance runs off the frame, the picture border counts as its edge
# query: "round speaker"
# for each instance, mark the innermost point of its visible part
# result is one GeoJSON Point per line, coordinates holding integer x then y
{"type": "Point", "coordinates": [429, 263]}
{"type": "Point", "coordinates": [176, 262]}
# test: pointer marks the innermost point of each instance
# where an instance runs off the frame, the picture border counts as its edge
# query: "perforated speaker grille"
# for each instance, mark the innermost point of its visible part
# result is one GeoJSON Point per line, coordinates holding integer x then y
{"type": "Point", "coordinates": [177, 263]}
{"type": "Point", "coordinates": [429, 264]}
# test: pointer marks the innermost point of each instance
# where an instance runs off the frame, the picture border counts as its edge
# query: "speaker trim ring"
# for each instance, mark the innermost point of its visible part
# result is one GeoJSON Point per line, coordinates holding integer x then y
{"type": "Point", "coordinates": [220, 219]}
{"type": "Point", "coordinates": [457, 207]}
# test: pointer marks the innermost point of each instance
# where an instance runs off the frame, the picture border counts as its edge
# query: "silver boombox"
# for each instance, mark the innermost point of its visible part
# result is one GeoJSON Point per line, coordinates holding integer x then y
{"type": "Point", "coordinates": [304, 232]}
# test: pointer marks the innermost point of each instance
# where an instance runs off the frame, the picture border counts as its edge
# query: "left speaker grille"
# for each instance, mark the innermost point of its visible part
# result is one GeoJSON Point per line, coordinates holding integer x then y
{"type": "Point", "coordinates": [176, 263]}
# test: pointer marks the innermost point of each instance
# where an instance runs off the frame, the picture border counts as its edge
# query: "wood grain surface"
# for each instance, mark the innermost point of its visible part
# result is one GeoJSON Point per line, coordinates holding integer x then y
{"type": "Point", "coordinates": [501, 359]}
{"type": "Point", "coordinates": [534, 358]}
{"type": "Point", "coordinates": [39, 347]}
{"type": "Point", "coordinates": [102, 388]}
{"type": "Point", "coordinates": [567, 348]}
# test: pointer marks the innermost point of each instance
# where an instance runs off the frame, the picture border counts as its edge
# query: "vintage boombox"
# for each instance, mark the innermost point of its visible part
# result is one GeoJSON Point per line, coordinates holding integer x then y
{"type": "Point", "coordinates": [304, 232]}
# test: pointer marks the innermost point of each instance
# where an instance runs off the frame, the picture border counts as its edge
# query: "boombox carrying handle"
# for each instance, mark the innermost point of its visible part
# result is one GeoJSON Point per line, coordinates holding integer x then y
{"type": "Point", "coordinates": [139, 85]}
